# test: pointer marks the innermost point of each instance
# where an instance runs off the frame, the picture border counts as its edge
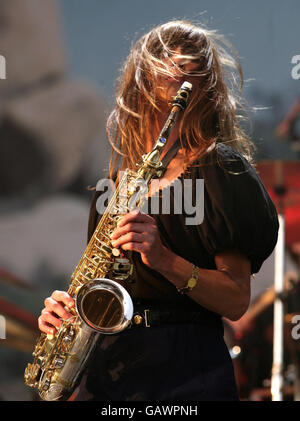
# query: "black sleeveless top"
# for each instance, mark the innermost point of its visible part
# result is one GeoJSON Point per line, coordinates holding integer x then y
{"type": "Point", "coordinates": [238, 214]}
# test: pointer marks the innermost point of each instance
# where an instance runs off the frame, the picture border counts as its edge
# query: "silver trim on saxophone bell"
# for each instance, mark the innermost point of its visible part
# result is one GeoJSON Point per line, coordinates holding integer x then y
{"type": "Point", "coordinates": [110, 296]}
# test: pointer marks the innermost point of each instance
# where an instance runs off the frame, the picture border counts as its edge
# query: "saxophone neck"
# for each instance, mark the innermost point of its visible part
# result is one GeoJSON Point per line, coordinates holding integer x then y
{"type": "Point", "coordinates": [151, 164]}
{"type": "Point", "coordinates": [152, 159]}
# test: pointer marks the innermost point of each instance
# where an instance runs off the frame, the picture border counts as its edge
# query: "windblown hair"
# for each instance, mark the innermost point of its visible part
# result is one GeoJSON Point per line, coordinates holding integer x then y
{"type": "Point", "coordinates": [212, 113]}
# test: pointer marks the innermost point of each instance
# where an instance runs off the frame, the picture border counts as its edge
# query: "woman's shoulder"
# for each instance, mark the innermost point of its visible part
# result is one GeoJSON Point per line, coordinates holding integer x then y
{"type": "Point", "coordinates": [238, 211]}
{"type": "Point", "coordinates": [222, 159]}
{"type": "Point", "coordinates": [224, 153]}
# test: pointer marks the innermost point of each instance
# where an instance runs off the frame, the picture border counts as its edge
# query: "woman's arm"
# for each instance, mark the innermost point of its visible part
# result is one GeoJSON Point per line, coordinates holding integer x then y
{"type": "Point", "coordinates": [225, 290]}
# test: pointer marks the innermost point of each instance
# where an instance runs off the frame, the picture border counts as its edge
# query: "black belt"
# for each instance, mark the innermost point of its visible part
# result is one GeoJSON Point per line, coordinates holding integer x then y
{"type": "Point", "coordinates": [147, 316]}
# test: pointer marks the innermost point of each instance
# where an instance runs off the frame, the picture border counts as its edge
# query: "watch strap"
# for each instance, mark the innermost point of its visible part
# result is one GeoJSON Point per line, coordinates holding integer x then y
{"type": "Point", "coordinates": [191, 282]}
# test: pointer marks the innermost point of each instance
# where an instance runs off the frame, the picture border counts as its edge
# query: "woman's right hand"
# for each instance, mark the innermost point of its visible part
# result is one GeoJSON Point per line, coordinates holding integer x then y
{"type": "Point", "coordinates": [55, 305]}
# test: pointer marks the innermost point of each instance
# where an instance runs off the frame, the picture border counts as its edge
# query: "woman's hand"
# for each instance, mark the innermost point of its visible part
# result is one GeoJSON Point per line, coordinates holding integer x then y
{"type": "Point", "coordinates": [137, 231]}
{"type": "Point", "coordinates": [55, 305]}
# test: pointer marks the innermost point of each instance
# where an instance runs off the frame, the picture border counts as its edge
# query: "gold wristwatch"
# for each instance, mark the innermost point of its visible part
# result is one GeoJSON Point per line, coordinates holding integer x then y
{"type": "Point", "coordinates": [191, 283]}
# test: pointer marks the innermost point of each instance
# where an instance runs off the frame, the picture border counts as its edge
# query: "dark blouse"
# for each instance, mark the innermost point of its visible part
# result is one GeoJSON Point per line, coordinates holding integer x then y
{"type": "Point", "coordinates": [187, 361]}
{"type": "Point", "coordinates": [238, 214]}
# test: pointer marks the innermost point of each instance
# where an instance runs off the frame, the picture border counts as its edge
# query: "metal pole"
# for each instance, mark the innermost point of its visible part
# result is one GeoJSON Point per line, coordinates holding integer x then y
{"type": "Point", "coordinates": [277, 368]}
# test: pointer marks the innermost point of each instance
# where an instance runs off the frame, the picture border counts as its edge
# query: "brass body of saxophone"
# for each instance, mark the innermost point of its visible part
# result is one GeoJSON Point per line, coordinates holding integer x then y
{"type": "Point", "coordinates": [102, 305]}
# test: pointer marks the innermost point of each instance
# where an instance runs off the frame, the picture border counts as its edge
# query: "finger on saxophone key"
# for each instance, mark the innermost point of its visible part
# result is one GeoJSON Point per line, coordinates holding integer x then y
{"type": "Point", "coordinates": [57, 309]}
{"type": "Point", "coordinates": [64, 297]}
{"type": "Point", "coordinates": [58, 306]}
{"type": "Point", "coordinates": [45, 326]}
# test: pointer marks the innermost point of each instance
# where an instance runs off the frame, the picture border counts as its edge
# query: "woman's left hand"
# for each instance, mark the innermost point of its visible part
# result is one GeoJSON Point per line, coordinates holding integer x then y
{"type": "Point", "coordinates": [138, 231]}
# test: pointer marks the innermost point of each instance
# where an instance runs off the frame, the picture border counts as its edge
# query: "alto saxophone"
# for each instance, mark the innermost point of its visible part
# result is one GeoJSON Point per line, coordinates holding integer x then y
{"type": "Point", "coordinates": [102, 305]}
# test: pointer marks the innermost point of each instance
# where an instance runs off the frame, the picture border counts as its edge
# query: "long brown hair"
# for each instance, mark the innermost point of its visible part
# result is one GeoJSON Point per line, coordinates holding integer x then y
{"type": "Point", "coordinates": [212, 114]}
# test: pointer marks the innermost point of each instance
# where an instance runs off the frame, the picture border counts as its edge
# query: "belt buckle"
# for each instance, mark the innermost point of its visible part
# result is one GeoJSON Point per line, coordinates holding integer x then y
{"type": "Point", "coordinates": [146, 318]}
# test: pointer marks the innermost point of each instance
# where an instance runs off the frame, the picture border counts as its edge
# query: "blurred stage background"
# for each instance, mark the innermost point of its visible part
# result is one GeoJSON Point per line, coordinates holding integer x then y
{"type": "Point", "coordinates": [62, 59]}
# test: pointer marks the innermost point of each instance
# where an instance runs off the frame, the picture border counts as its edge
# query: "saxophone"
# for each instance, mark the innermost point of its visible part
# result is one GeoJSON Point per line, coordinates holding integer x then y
{"type": "Point", "coordinates": [102, 305]}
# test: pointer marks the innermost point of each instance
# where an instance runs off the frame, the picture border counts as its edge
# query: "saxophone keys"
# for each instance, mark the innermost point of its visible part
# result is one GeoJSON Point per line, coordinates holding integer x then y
{"type": "Point", "coordinates": [68, 339]}
{"type": "Point", "coordinates": [32, 373]}
{"type": "Point", "coordinates": [59, 362]}
{"type": "Point", "coordinates": [46, 385]}
{"type": "Point", "coordinates": [77, 289]}
{"type": "Point", "coordinates": [116, 252]}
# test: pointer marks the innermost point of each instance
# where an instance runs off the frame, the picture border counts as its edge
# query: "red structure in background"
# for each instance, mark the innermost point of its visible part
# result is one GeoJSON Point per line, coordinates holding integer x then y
{"type": "Point", "coordinates": [282, 181]}
{"type": "Point", "coordinates": [288, 174]}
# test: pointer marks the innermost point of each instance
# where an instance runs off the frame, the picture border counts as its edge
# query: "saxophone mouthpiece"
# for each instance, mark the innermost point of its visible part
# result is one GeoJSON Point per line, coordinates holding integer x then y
{"type": "Point", "coordinates": [183, 95]}
{"type": "Point", "coordinates": [187, 86]}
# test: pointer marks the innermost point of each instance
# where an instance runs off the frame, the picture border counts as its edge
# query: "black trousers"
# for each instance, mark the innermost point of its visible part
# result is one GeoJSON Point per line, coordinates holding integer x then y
{"type": "Point", "coordinates": [182, 362]}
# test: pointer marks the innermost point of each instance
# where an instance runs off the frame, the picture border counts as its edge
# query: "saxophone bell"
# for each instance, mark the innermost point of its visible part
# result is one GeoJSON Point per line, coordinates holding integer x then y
{"type": "Point", "coordinates": [104, 305]}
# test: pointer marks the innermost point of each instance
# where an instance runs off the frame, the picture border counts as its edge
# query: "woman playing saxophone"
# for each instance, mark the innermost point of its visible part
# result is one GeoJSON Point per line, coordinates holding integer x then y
{"type": "Point", "coordinates": [186, 277]}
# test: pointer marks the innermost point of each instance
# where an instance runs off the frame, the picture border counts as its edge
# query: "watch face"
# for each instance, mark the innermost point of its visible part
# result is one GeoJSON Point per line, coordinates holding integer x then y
{"type": "Point", "coordinates": [192, 282]}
